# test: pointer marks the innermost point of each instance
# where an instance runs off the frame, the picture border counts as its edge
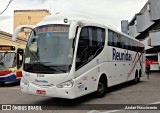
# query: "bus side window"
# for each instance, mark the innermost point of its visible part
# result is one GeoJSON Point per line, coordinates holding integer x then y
{"type": "Point", "coordinates": [82, 47]}
{"type": "Point", "coordinates": [129, 44]}
{"type": "Point", "coordinates": [119, 40]}
{"type": "Point", "coordinates": [110, 38]}
{"type": "Point", "coordinates": [123, 42]}
{"type": "Point", "coordinates": [20, 53]}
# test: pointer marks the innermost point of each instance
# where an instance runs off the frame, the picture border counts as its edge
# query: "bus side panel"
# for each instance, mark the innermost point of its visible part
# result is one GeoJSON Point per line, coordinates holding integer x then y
{"type": "Point", "coordinates": [138, 64]}
{"type": "Point", "coordinates": [88, 76]}
{"type": "Point", "coordinates": [86, 83]}
{"type": "Point", "coordinates": [119, 69]}
{"type": "Point", "coordinates": [132, 67]}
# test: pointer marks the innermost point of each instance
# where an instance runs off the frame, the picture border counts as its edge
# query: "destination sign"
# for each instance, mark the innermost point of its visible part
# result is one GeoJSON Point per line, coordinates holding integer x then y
{"type": "Point", "coordinates": [53, 29]}
{"type": "Point", "coordinates": [7, 48]}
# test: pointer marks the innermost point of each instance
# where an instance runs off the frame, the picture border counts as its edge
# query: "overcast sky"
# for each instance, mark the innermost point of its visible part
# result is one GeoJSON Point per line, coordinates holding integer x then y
{"type": "Point", "coordinates": [109, 11]}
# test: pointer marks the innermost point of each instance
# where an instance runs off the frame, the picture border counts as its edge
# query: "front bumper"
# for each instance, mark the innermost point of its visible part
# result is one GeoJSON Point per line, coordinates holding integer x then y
{"type": "Point", "coordinates": [9, 78]}
{"type": "Point", "coordinates": [50, 91]}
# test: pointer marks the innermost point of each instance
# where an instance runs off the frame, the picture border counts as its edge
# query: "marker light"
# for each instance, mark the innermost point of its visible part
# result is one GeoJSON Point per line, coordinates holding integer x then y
{"type": "Point", "coordinates": [19, 73]}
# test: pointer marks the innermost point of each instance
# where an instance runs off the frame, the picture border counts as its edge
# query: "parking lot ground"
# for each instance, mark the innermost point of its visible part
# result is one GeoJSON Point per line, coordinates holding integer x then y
{"type": "Point", "coordinates": [145, 92]}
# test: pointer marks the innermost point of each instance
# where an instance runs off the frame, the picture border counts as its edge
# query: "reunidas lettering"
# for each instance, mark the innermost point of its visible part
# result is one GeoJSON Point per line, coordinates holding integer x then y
{"type": "Point", "coordinates": [42, 81]}
{"type": "Point", "coordinates": [121, 56]}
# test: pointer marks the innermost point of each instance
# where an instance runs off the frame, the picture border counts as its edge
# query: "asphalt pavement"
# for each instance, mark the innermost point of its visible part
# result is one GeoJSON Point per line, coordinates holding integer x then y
{"type": "Point", "coordinates": [145, 92]}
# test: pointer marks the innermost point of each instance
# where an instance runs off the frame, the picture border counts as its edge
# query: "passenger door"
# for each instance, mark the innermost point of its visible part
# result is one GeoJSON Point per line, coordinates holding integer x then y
{"type": "Point", "coordinates": [91, 43]}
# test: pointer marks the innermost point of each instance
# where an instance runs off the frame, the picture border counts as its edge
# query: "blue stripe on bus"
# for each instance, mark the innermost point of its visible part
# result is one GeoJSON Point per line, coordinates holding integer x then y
{"type": "Point", "coordinates": [9, 78]}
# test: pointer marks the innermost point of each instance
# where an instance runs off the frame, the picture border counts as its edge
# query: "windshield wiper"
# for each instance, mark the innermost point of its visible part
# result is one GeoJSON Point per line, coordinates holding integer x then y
{"type": "Point", "coordinates": [57, 68]}
{"type": "Point", "coordinates": [44, 64]}
{"type": "Point", "coordinates": [39, 62]}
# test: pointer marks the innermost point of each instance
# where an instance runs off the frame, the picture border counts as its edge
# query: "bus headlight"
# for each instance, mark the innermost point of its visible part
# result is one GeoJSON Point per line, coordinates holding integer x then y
{"type": "Point", "coordinates": [67, 84]}
{"type": "Point", "coordinates": [24, 81]}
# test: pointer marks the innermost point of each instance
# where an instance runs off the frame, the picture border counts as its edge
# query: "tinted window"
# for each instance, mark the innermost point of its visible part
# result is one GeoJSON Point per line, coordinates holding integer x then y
{"type": "Point", "coordinates": [121, 41]}
{"type": "Point", "coordinates": [110, 38]}
{"type": "Point", "coordinates": [91, 43]}
{"type": "Point", "coordinates": [129, 44]}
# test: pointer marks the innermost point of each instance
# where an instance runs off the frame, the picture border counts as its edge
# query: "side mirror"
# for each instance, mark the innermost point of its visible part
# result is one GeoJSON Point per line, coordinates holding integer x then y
{"type": "Point", "coordinates": [20, 53]}
{"type": "Point", "coordinates": [72, 29]}
{"type": "Point", "coordinates": [20, 29]}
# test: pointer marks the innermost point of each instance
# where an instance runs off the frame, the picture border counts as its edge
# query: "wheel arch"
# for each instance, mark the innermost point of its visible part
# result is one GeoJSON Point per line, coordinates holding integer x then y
{"type": "Point", "coordinates": [104, 77]}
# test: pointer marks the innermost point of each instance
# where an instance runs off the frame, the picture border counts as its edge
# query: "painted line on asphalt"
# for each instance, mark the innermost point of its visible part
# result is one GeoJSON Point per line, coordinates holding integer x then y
{"type": "Point", "coordinates": [122, 91]}
{"type": "Point", "coordinates": [93, 111]}
{"type": "Point", "coordinates": [112, 111]}
{"type": "Point", "coordinates": [156, 103]}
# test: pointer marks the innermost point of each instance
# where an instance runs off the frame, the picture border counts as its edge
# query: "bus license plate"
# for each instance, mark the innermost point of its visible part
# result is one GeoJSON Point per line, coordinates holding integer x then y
{"type": "Point", "coordinates": [41, 92]}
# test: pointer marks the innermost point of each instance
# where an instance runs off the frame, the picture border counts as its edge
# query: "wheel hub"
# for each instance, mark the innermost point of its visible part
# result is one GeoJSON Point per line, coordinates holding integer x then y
{"type": "Point", "coordinates": [100, 88]}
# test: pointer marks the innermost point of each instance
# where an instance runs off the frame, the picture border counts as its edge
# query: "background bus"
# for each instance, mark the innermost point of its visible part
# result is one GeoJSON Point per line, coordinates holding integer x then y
{"type": "Point", "coordinates": [11, 58]}
{"type": "Point", "coordinates": [152, 59]}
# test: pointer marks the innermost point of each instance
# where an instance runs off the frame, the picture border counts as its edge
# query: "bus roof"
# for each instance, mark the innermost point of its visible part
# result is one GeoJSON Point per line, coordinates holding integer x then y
{"type": "Point", "coordinates": [59, 18]}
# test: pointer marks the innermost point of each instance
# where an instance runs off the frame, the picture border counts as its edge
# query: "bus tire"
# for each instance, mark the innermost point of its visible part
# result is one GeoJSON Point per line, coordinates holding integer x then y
{"type": "Point", "coordinates": [139, 77]}
{"type": "Point", "coordinates": [136, 78]}
{"type": "Point", "coordinates": [2, 83]}
{"type": "Point", "coordinates": [102, 88]}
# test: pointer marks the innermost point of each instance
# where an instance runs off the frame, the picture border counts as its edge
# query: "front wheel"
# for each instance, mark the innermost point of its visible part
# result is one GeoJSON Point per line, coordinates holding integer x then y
{"type": "Point", "coordinates": [102, 89]}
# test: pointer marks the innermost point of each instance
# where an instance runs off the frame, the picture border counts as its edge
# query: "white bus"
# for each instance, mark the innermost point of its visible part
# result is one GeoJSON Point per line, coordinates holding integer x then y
{"type": "Point", "coordinates": [68, 56]}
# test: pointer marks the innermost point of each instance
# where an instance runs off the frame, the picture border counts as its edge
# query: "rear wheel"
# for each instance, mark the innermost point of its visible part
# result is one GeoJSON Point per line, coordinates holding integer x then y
{"type": "Point", "coordinates": [102, 88]}
{"type": "Point", "coordinates": [139, 77]}
{"type": "Point", "coordinates": [136, 78]}
{"type": "Point", "coordinates": [2, 83]}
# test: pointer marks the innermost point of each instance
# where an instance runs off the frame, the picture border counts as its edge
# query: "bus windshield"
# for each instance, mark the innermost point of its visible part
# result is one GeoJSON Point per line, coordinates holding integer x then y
{"type": "Point", "coordinates": [7, 60]}
{"type": "Point", "coordinates": [49, 50]}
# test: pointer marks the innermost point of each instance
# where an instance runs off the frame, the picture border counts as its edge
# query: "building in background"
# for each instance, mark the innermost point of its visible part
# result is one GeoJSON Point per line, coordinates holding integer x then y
{"type": "Point", "coordinates": [28, 17]}
{"type": "Point", "coordinates": [145, 26]}
{"type": "Point", "coordinates": [6, 38]}
{"type": "Point", "coordinates": [22, 17]}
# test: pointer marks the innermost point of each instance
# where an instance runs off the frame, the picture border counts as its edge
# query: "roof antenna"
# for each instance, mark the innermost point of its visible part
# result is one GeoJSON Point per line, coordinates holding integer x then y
{"type": "Point", "coordinates": [58, 12]}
